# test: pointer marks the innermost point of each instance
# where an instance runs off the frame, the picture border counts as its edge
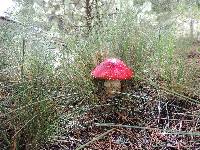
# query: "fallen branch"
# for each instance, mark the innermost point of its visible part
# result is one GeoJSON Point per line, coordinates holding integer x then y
{"type": "Point", "coordinates": [165, 131]}
{"type": "Point", "coordinates": [95, 139]}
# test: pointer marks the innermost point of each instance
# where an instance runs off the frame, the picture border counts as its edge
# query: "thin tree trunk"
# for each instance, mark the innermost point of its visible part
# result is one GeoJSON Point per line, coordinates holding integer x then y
{"type": "Point", "coordinates": [192, 28]}
{"type": "Point", "coordinates": [22, 63]}
{"type": "Point", "coordinates": [97, 13]}
{"type": "Point", "coordinates": [88, 11]}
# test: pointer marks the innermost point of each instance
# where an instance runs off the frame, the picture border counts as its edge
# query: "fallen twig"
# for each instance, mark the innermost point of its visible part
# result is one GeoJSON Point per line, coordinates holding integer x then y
{"type": "Point", "coordinates": [165, 131]}
{"type": "Point", "coordinates": [95, 139]}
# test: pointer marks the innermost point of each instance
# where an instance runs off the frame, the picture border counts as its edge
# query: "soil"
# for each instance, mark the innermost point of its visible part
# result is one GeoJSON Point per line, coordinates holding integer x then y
{"type": "Point", "coordinates": [142, 118]}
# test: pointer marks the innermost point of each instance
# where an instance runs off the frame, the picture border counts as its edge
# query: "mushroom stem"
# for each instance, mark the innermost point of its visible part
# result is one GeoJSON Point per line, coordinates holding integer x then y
{"type": "Point", "coordinates": [112, 87]}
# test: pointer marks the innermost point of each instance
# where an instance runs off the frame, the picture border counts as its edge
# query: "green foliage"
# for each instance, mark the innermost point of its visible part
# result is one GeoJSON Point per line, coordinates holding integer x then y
{"type": "Point", "coordinates": [39, 97]}
{"type": "Point", "coordinates": [33, 123]}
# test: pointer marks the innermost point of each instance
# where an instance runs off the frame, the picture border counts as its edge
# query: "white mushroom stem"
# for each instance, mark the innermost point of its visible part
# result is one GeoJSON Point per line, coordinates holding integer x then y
{"type": "Point", "coordinates": [112, 86]}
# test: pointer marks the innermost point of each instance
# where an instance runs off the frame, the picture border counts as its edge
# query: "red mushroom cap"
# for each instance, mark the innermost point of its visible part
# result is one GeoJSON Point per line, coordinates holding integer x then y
{"type": "Point", "coordinates": [112, 69]}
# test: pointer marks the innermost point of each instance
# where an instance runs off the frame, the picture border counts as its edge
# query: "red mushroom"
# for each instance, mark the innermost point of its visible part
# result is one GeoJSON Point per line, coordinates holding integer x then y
{"type": "Point", "coordinates": [112, 70]}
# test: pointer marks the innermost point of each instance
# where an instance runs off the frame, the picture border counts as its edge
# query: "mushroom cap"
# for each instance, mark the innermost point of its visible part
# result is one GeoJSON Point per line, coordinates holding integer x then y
{"type": "Point", "coordinates": [112, 69]}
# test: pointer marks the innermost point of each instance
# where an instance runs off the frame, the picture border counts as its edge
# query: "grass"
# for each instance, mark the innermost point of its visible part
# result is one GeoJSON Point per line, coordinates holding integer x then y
{"type": "Point", "coordinates": [38, 100]}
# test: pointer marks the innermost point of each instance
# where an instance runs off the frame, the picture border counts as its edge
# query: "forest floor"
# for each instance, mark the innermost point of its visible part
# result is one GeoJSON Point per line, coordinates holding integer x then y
{"type": "Point", "coordinates": [144, 117]}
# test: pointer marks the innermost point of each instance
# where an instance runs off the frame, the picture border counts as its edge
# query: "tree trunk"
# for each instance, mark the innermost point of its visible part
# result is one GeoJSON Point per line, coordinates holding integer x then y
{"type": "Point", "coordinates": [97, 13]}
{"type": "Point", "coordinates": [88, 11]}
{"type": "Point", "coordinates": [192, 29]}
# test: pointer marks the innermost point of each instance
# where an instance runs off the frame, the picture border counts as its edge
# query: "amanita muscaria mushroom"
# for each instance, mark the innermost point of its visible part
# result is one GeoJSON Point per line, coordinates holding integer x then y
{"type": "Point", "coordinates": [112, 70]}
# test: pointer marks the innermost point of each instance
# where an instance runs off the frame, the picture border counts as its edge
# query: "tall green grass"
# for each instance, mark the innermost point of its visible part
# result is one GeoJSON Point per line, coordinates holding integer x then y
{"type": "Point", "coordinates": [40, 98]}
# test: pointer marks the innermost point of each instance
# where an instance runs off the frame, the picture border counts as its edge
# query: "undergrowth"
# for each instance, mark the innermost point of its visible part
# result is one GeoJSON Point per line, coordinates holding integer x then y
{"type": "Point", "coordinates": [36, 99]}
